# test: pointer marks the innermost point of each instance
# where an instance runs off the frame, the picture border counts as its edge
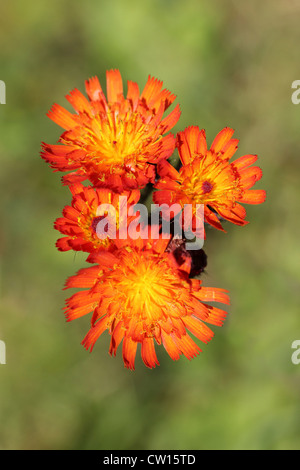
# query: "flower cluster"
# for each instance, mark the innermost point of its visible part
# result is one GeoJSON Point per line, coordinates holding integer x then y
{"type": "Point", "coordinates": [143, 290]}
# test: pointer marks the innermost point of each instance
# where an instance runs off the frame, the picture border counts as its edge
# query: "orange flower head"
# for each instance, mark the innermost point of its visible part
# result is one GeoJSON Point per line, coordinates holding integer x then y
{"type": "Point", "coordinates": [140, 296]}
{"type": "Point", "coordinates": [207, 177]}
{"type": "Point", "coordinates": [113, 142]}
{"type": "Point", "coordinates": [80, 221]}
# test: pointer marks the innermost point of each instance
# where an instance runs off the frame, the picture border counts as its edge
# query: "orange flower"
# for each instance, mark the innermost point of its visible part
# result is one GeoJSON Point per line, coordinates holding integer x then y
{"type": "Point", "coordinates": [206, 177]}
{"type": "Point", "coordinates": [139, 295]}
{"type": "Point", "coordinates": [80, 220]}
{"type": "Point", "coordinates": [113, 142]}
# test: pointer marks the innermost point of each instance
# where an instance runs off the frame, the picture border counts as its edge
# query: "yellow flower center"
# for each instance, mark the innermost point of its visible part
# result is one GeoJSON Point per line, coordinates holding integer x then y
{"type": "Point", "coordinates": [145, 288]}
{"type": "Point", "coordinates": [115, 139]}
{"type": "Point", "coordinates": [210, 180]}
{"type": "Point", "coordinates": [88, 225]}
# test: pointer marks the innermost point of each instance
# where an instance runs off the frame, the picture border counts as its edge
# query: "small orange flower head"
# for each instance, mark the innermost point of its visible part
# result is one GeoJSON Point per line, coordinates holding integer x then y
{"type": "Point", "coordinates": [113, 142]}
{"type": "Point", "coordinates": [207, 177]}
{"type": "Point", "coordinates": [80, 221]}
{"type": "Point", "coordinates": [140, 296]}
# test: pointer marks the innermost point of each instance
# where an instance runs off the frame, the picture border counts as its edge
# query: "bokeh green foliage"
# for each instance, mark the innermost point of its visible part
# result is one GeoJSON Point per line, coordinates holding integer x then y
{"type": "Point", "coordinates": [230, 64]}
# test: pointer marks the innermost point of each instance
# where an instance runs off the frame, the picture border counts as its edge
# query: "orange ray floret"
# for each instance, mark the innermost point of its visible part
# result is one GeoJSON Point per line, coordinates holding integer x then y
{"type": "Point", "coordinates": [81, 222]}
{"type": "Point", "coordinates": [207, 178]}
{"type": "Point", "coordinates": [113, 142]}
{"type": "Point", "coordinates": [138, 294]}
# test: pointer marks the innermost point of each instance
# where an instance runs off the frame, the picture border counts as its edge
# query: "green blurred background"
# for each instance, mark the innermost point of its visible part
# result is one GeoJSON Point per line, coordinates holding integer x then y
{"type": "Point", "coordinates": [230, 63]}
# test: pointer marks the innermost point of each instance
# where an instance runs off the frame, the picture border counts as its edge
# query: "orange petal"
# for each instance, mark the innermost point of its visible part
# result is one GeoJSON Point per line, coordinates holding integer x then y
{"type": "Point", "coordinates": [162, 197]}
{"type": "Point", "coordinates": [222, 138]}
{"type": "Point", "coordinates": [62, 244]}
{"type": "Point", "coordinates": [164, 168]}
{"type": "Point", "coordinates": [114, 86]}
{"type": "Point", "coordinates": [198, 329]}
{"type": "Point", "coordinates": [93, 89]}
{"type": "Point", "coordinates": [201, 143]}
{"type": "Point", "coordinates": [229, 149]}
{"type": "Point", "coordinates": [79, 101]}
{"type": "Point", "coordinates": [169, 121]}
{"type": "Point", "coordinates": [116, 338]}
{"type": "Point", "coordinates": [216, 316]}
{"type": "Point", "coordinates": [85, 278]}
{"type": "Point", "coordinates": [231, 216]}
{"type": "Point", "coordinates": [191, 142]}
{"type": "Point", "coordinates": [90, 339]}
{"type": "Point", "coordinates": [58, 150]}
{"type": "Point", "coordinates": [187, 346]}
{"type": "Point", "coordinates": [166, 97]}
{"type": "Point", "coordinates": [76, 188]}
{"type": "Point", "coordinates": [103, 258]}
{"type": "Point", "coordinates": [133, 94]}
{"type": "Point", "coordinates": [62, 117]}
{"type": "Point", "coordinates": [253, 196]}
{"type": "Point", "coordinates": [70, 213]}
{"type": "Point", "coordinates": [162, 149]}
{"type": "Point", "coordinates": [213, 294]}
{"type": "Point", "coordinates": [151, 91]}
{"type": "Point", "coordinates": [239, 210]}
{"type": "Point", "coordinates": [249, 176]}
{"type": "Point", "coordinates": [148, 353]}
{"type": "Point", "coordinates": [129, 352]}
{"type": "Point", "coordinates": [170, 346]}
{"type": "Point", "coordinates": [244, 161]}
{"type": "Point", "coordinates": [80, 304]}
{"type": "Point", "coordinates": [212, 218]}
{"type": "Point", "coordinates": [74, 177]}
